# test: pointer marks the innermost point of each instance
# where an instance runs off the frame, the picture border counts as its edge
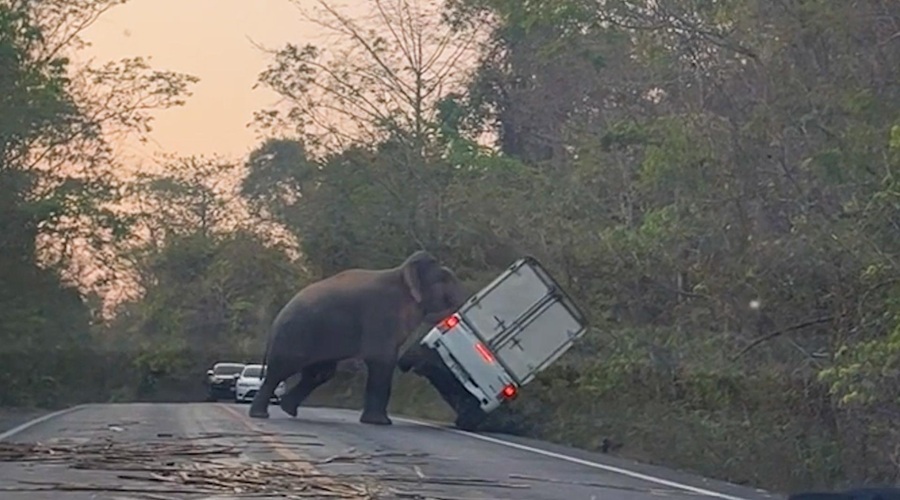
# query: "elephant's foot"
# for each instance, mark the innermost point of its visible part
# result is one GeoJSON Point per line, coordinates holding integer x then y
{"type": "Point", "coordinates": [375, 418]}
{"type": "Point", "coordinates": [256, 412]}
{"type": "Point", "coordinates": [289, 406]}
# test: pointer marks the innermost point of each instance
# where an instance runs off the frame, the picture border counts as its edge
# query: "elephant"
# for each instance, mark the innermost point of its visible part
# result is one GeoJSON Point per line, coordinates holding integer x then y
{"type": "Point", "coordinates": [357, 313]}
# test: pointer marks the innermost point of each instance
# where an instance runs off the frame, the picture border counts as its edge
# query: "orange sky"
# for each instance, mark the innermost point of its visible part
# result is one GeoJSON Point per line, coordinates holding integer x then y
{"type": "Point", "coordinates": [209, 39]}
{"type": "Point", "coordinates": [214, 41]}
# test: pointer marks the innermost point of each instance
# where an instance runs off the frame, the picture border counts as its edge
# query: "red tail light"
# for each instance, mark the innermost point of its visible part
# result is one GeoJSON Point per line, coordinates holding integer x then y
{"type": "Point", "coordinates": [450, 322]}
{"type": "Point", "coordinates": [485, 353]}
{"type": "Point", "coordinates": [509, 392]}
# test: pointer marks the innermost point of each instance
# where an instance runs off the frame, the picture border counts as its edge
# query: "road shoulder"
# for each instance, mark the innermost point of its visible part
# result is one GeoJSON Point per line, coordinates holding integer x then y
{"type": "Point", "coordinates": [651, 473]}
{"type": "Point", "coordinates": [14, 420]}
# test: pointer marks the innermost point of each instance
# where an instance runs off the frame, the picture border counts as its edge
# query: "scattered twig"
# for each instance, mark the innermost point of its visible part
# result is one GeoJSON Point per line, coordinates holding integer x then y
{"type": "Point", "coordinates": [350, 455]}
{"type": "Point", "coordinates": [778, 333]}
{"type": "Point", "coordinates": [180, 468]}
{"type": "Point", "coordinates": [190, 466]}
{"type": "Point", "coordinates": [50, 486]}
{"type": "Point", "coordinates": [432, 496]}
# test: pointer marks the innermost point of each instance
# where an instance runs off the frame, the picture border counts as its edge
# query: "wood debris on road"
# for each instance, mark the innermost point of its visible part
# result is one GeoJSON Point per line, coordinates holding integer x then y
{"type": "Point", "coordinates": [109, 451]}
{"type": "Point", "coordinates": [190, 466]}
{"type": "Point", "coordinates": [180, 466]}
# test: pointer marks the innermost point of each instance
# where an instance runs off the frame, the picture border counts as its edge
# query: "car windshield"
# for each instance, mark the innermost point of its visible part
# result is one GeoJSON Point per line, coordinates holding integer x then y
{"type": "Point", "coordinates": [252, 372]}
{"type": "Point", "coordinates": [227, 369]}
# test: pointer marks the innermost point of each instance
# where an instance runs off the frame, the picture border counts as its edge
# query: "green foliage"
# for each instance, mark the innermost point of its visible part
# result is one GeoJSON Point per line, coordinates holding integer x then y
{"type": "Point", "coordinates": [863, 366]}
{"type": "Point", "coordinates": [720, 198]}
{"type": "Point", "coordinates": [715, 182]}
{"type": "Point", "coordinates": [55, 191]}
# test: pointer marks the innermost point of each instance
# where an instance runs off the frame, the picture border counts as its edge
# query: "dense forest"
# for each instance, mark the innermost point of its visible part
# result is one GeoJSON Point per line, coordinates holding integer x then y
{"type": "Point", "coordinates": [717, 183]}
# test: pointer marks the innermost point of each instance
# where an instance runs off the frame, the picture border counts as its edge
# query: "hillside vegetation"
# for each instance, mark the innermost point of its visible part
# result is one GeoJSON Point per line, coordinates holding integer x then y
{"type": "Point", "coordinates": [716, 183]}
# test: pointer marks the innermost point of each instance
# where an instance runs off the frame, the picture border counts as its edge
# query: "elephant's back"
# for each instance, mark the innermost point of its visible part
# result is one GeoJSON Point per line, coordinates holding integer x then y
{"type": "Point", "coordinates": [313, 305]}
{"type": "Point", "coordinates": [347, 289]}
{"type": "Point", "coordinates": [344, 290]}
{"type": "Point", "coordinates": [334, 304]}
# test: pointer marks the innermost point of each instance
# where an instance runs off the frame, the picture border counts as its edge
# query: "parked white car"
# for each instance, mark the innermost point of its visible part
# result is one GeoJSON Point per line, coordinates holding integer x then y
{"type": "Point", "coordinates": [249, 382]}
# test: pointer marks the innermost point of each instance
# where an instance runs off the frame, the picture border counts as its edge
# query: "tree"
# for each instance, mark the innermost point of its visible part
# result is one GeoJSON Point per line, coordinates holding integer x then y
{"type": "Point", "coordinates": [696, 173]}
{"type": "Point", "coordinates": [381, 77]}
{"type": "Point", "coordinates": [208, 282]}
{"type": "Point", "coordinates": [278, 174]}
{"type": "Point", "coordinates": [373, 160]}
{"type": "Point", "coordinates": [56, 181]}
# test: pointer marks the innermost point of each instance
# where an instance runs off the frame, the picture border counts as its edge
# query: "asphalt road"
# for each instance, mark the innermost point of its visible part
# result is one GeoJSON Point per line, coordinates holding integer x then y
{"type": "Point", "coordinates": [14, 417]}
{"type": "Point", "coordinates": [403, 460]}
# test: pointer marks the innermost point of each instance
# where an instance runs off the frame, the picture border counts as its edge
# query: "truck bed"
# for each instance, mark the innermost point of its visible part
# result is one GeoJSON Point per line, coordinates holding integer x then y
{"type": "Point", "coordinates": [525, 318]}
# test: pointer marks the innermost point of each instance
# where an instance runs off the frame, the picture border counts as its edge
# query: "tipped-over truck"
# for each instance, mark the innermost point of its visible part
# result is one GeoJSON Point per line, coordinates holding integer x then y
{"type": "Point", "coordinates": [497, 341]}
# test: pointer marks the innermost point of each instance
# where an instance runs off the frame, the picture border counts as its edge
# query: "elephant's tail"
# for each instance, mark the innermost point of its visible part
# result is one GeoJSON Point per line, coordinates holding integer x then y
{"type": "Point", "coordinates": [265, 357]}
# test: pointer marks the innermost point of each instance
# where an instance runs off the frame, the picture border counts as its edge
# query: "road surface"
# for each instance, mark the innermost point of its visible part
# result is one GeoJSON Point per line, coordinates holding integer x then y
{"type": "Point", "coordinates": [406, 460]}
{"type": "Point", "coordinates": [14, 417]}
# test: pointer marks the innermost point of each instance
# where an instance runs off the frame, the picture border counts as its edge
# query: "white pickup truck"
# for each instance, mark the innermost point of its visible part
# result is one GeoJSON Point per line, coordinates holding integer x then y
{"type": "Point", "coordinates": [497, 342]}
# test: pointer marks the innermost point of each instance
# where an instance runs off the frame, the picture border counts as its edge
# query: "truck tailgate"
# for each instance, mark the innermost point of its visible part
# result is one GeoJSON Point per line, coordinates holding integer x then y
{"type": "Point", "coordinates": [525, 318]}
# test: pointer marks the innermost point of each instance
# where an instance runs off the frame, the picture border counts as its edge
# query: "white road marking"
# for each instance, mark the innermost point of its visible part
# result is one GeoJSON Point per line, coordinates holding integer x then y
{"type": "Point", "coordinates": [31, 423]}
{"type": "Point", "coordinates": [579, 461]}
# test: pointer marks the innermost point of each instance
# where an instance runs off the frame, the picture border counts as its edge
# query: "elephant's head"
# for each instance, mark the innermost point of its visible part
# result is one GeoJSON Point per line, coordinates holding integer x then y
{"type": "Point", "coordinates": [435, 288]}
{"type": "Point", "coordinates": [447, 293]}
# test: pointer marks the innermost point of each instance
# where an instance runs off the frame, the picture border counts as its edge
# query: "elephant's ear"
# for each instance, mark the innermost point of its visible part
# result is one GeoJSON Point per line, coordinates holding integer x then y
{"type": "Point", "coordinates": [411, 278]}
{"type": "Point", "coordinates": [413, 268]}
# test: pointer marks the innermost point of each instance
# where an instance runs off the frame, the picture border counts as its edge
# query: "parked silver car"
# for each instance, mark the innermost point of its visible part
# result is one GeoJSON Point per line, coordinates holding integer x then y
{"type": "Point", "coordinates": [220, 380]}
{"type": "Point", "coordinates": [249, 382]}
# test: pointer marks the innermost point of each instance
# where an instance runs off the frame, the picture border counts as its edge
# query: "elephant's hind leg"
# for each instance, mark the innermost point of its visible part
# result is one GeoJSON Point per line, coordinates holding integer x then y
{"type": "Point", "coordinates": [277, 372]}
{"type": "Point", "coordinates": [312, 377]}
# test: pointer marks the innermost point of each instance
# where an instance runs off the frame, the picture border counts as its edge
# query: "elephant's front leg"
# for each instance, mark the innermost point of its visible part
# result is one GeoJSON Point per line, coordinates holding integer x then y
{"type": "Point", "coordinates": [379, 349]}
{"type": "Point", "coordinates": [379, 379]}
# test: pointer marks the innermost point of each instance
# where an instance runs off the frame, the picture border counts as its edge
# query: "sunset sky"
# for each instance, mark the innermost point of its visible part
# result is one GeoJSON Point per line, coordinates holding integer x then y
{"type": "Point", "coordinates": [210, 39]}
